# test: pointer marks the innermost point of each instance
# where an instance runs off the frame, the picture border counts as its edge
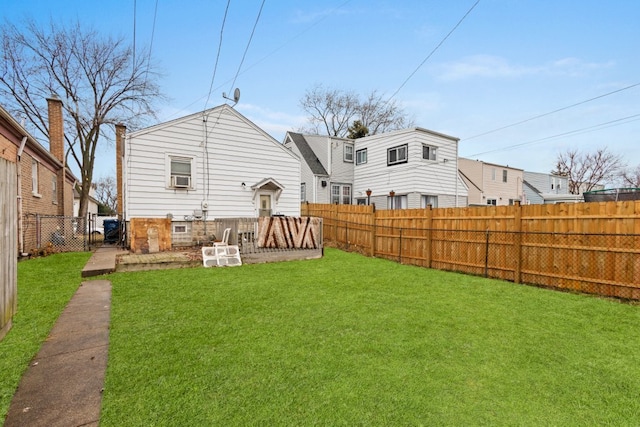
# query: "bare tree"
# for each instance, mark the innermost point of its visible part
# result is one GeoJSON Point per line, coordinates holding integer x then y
{"type": "Point", "coordinates": [331, 111]}
{"type": "Point", "coordinates": [630, 177]}
{"type": "Point", "coordinates": [106, 193]}
{"type": "Point", "coordinates": [100, 80]}
{"type": "Point", "coordinates": [586, 170]}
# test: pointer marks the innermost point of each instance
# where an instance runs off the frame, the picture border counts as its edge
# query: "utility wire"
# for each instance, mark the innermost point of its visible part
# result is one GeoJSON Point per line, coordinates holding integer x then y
{"type": "Point", "coordinates": [306, 29]}
{"type": "Point", "coordinates": [552, 112]}
{"type": "Point", "coordinates": [215, 67]}
{"type": "Point", "coordinates": [433, 51]}
{"type": "Point", "coordinates": [248, 44]}
{"type": "Point", "coordinates": [576, 131]}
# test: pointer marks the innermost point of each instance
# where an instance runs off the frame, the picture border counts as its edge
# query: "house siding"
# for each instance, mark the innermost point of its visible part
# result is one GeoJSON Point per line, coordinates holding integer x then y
{"type": "Point", "coordinates": [228, 151]}
{"type": "Point", "coordinates": [416, 177]}
{"type": "Point", "coordinates": [487, 182]}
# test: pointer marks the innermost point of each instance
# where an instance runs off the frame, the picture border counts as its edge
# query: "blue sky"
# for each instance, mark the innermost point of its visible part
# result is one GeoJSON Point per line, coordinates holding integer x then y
{"type": "Point", "coordinates": [507, 62]}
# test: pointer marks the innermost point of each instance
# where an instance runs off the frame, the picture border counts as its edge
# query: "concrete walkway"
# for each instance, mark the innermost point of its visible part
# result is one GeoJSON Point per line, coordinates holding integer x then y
{"type": "Point", "coordinates": [63, 385]}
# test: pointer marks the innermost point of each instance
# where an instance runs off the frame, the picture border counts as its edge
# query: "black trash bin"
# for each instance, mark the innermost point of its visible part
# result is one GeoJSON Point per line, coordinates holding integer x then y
{"type": "Point", "coordinates": [111, 230]}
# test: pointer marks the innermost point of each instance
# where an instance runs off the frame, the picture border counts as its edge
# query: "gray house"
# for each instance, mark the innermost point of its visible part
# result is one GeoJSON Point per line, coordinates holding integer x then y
{"type": "Point", "coordinates": [541, 188]}
{"type": "Point", "coordinates": [326, 167]}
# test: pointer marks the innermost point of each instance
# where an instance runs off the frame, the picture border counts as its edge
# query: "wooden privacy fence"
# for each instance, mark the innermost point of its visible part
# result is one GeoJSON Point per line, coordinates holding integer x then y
{"type": "Point", "coordinates": [586, 247]}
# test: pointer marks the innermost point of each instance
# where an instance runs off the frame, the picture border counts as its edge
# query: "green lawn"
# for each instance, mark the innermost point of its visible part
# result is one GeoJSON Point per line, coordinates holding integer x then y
{"type": "Point", "coordinates": [349, 340]}
{"type": "Point", "coordinates": [45, 286]}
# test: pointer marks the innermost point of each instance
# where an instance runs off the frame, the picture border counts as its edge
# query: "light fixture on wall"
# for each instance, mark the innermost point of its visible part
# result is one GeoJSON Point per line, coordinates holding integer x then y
{"type": "Point", "coordinates": [368, 196]}
{"type": "Point", "coordinates": [244, 185]}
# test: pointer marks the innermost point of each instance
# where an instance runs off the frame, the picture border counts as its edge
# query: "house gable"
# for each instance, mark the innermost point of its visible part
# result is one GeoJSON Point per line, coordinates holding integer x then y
{"type": "Point", "coordinates": [212, 153]}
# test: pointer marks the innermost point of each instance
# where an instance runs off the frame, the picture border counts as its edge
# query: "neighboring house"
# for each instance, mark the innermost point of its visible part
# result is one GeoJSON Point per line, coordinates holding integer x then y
{"type": "Point", "coordinates": [326, 169]}
{"type": "Point", "coordinates": [205, 166]}
{"type": "Point", "coordinates": [491, 184]}
{"type": "Point", "coordinates": [409, 168]}
{"type": "Point", "coordinates": [92, 205]}
{"type": "Point", "coordinates": [44, 184]}
{"type": "Point", "coordinates": [541, 188]}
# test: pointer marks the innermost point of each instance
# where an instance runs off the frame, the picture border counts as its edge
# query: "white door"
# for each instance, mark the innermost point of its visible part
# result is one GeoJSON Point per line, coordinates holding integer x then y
{"type": "Point", "coordinates": [265, 205]}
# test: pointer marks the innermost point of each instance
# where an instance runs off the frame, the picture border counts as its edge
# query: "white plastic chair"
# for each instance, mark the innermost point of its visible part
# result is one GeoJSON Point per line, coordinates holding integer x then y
{"type": "Point", "coordinates": [225, 239]}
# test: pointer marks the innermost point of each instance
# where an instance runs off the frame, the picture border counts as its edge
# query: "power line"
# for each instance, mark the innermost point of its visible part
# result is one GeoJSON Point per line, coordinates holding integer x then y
{"type": "Point", "coordinates": [433, 51]}
{"type": "Point", "coordinates": [593, 128]}
{"type": "Point", "coordinates": [552, 112]}
{"type": "Point", "coordinates": [215, 67]}
{"type": "Point", "coordinates": [248, 44]}
{"type": "Point", "coordinates": [306, 29]}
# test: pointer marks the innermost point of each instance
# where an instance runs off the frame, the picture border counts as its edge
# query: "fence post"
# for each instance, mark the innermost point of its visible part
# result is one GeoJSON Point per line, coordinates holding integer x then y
{"type": "Point", "coordinates": [346, 233]}
{"type": "Point", "coordinates": [400, 248]}
{"type": "Point", "coordinates": [518, 242]}
{"type": "Point", "coordinates": [486, 255]}
{"type": "Point", "coordinates": [374, 230]}
{"type": "Point", "coordinates": [429, 235]}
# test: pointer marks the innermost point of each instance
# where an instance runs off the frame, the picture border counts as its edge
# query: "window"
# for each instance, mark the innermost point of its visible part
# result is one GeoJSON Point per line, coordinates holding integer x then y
{"type": "Point", "coordinates": [340, 194]}
{"type": "Point", "coordinates": [34, 177]}
{"type": "Point", "coordinates": [180, 172]}
{"type": "Point", "coordinates": [348, 153]}
{"type": "Point", "coordinates": [178, 228]}
{"type": "Point", "coordinates": [397, 155]}
{"type": "Point", "coordinates": [303, 192]}
{"type": "Point", "coordinates": [361, 156]}
{"type": "Point", "coordinates": [430, 200]}
{"type": "Point", "coordinates": [397, 202]}
{"type": "Point", "coordinates": [493, 174]}
{"type": "Point", "coordinates": [428, 152]}
{"type": "Point", "coordinates": [504, 175]}
{"type": "Point", "coordinates": [346, 195]}
{"type": "Point", "coordinates": [54, 190]}
{"type": "Point", "coordinates": [491, 202]}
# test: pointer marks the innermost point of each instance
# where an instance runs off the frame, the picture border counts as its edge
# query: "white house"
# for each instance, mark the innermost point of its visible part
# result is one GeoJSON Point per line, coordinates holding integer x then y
{"type": "Point", "coordinates": [409, 168]}
{"type": "Point", "coordinates": [327, 167]}
{"type": "Point", "coordinates": [209, 165]}
{"type": "Point", "coordinates": [491, 184]}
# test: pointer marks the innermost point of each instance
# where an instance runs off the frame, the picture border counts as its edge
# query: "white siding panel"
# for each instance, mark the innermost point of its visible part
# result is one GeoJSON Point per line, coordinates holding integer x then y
{"type": "Point", "coordinates": [416, 177]}
{"type": "Point", "coordinates": [232, 151]}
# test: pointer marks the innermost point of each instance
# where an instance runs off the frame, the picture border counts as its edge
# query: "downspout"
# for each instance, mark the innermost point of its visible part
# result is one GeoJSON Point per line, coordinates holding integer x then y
{"type": "Point", "coordinates": [20, 221]}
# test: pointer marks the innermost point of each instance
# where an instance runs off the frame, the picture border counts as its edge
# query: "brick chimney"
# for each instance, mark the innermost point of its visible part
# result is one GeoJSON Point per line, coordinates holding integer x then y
{"type": "Point", "coordinates": [56, 146]}
{"type": "Point", "coordinates": [120, 132]}
{"type": "Point", "coordinates": [56, 127]}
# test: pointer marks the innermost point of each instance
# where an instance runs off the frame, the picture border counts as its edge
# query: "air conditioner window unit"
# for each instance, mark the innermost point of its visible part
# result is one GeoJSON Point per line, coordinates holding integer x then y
{"type": "Point", "coordinates": [180, 181]}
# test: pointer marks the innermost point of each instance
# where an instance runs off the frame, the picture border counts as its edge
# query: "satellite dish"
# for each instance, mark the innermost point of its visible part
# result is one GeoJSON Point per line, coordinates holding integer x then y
{"type": "Point", "coordinates": [236, 96]}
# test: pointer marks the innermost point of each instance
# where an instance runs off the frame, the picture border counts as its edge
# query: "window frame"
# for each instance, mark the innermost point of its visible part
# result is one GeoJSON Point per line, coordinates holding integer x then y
{"type": "Point", "coordinates": [34, 177]}
{"type": "Point", "coordinates": [174, 159]}
{"type": "Point", "coordinates": [432, 152]}
{"type": "Point", "coordinates": [348, 153]}
{"type": "Point", "coordinates": [505, 177]}
{"type": "Point", "coordinates": [54, 189]}
{"type": "Point", "coordinates": [303, 191]}
{"type": "Point", "coordinates": [361, 156]}
{"type": "Point", "coordinates": [425, 200]}
{"type": "Point", "coordinates": [396, 150]}
{"type": "Point", "coordinates": [337, 195]}
{"type": "Point", "coordinates": [400, 201]}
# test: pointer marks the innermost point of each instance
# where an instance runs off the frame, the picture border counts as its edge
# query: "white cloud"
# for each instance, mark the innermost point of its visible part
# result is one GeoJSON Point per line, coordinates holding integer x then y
{"type": "Point", "coordinates": [489, 66]}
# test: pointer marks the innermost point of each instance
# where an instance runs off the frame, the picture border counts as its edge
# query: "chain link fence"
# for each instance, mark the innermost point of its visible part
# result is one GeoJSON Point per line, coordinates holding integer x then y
{"type": "Point", "coordinates": [44, 234]}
